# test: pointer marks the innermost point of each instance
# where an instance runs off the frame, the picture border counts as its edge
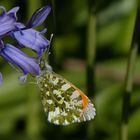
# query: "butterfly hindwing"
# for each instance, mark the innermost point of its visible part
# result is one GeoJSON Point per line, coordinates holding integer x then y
{"type": "Point", "coordinates": [63, 102]}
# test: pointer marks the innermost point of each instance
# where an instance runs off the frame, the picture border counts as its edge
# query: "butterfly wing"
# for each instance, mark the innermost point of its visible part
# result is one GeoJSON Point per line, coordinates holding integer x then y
{"type": "Point", "coordinates": [63, 102]}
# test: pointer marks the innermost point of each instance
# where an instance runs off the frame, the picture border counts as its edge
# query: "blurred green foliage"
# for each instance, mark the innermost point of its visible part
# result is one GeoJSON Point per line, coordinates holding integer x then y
{"type": "Point", "coordinates": [21, 113]}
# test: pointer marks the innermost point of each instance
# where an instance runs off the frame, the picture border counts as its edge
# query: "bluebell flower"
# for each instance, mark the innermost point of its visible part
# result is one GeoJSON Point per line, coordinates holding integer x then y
{"type": "Point", "coordinates": [31, 38]}
{"type": "Point", "coordinates": [39, 17]}
{"type": "Point", "coordinates": [7, 20]}
{"type": "Point", "coordinates": [25, 36]}
{"type": "Point", "coordinates": [16, 57]}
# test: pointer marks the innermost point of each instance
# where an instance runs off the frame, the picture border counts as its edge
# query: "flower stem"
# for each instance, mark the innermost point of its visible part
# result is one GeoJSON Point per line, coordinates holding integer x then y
{"type": "Point", "coordinates": [91, 48]}
{"type": "Point", "coordinates": [129, 78]}
{"type": "Point", "coordinates": [90, 58]}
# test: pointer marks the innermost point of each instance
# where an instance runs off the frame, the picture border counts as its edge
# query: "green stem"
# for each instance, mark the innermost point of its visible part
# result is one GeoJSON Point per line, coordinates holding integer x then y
{"type": "Point", "coordinates": [90, 56]}
{"type": "Point", "coordinates": [91, 49]}
{"type": "Point", "coordinates": [129, 79]}
{"type": "Point", "coordinates": [128, 91]}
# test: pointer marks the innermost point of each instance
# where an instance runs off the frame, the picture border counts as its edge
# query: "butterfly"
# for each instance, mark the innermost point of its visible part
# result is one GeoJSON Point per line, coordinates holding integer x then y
{"type": "Point", "coordinates": [63, 102]}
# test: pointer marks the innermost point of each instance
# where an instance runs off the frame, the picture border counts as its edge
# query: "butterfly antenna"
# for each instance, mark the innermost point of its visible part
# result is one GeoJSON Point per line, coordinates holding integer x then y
{"type": "Point", "coordinates": [47, 52]}
{"type": "Point", "coordinates": [43, 61]}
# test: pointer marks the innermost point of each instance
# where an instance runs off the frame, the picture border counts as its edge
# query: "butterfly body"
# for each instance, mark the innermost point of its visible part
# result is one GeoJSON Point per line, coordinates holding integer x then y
{"type": "Point", "coordinates": [63, 102]}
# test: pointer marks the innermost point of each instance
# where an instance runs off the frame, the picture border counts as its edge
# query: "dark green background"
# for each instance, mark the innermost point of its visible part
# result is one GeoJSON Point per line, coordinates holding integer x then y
{"type": "Point", "coordinates": [21, 112]}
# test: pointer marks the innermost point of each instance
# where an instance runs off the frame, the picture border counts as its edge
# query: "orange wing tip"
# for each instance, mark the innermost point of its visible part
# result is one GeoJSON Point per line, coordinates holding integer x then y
{"type": "Point", "coordinates": [85, 99]}
{"type": "Point", "coordinates": [89, 112]}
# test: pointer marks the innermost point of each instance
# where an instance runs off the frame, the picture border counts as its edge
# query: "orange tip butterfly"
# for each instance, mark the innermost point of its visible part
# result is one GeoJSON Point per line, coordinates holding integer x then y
{"type": "Point", "coordinates": [63, 102]}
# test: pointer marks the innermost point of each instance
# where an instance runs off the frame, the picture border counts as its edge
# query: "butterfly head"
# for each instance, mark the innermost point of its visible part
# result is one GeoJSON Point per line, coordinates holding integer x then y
{"type": "Point", "coordinates": [43, 62]}
{"type": "Point", "coordinates": [44, 66]}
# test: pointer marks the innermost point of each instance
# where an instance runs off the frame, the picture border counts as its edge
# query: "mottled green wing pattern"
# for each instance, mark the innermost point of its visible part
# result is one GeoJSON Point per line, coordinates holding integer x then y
{"type": "Point", "coordinates": [62, 102]}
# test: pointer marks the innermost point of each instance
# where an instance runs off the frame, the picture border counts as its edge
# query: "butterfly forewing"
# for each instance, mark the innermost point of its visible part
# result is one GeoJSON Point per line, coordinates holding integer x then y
{"type": "Point", "coordinates": [63, 102]}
